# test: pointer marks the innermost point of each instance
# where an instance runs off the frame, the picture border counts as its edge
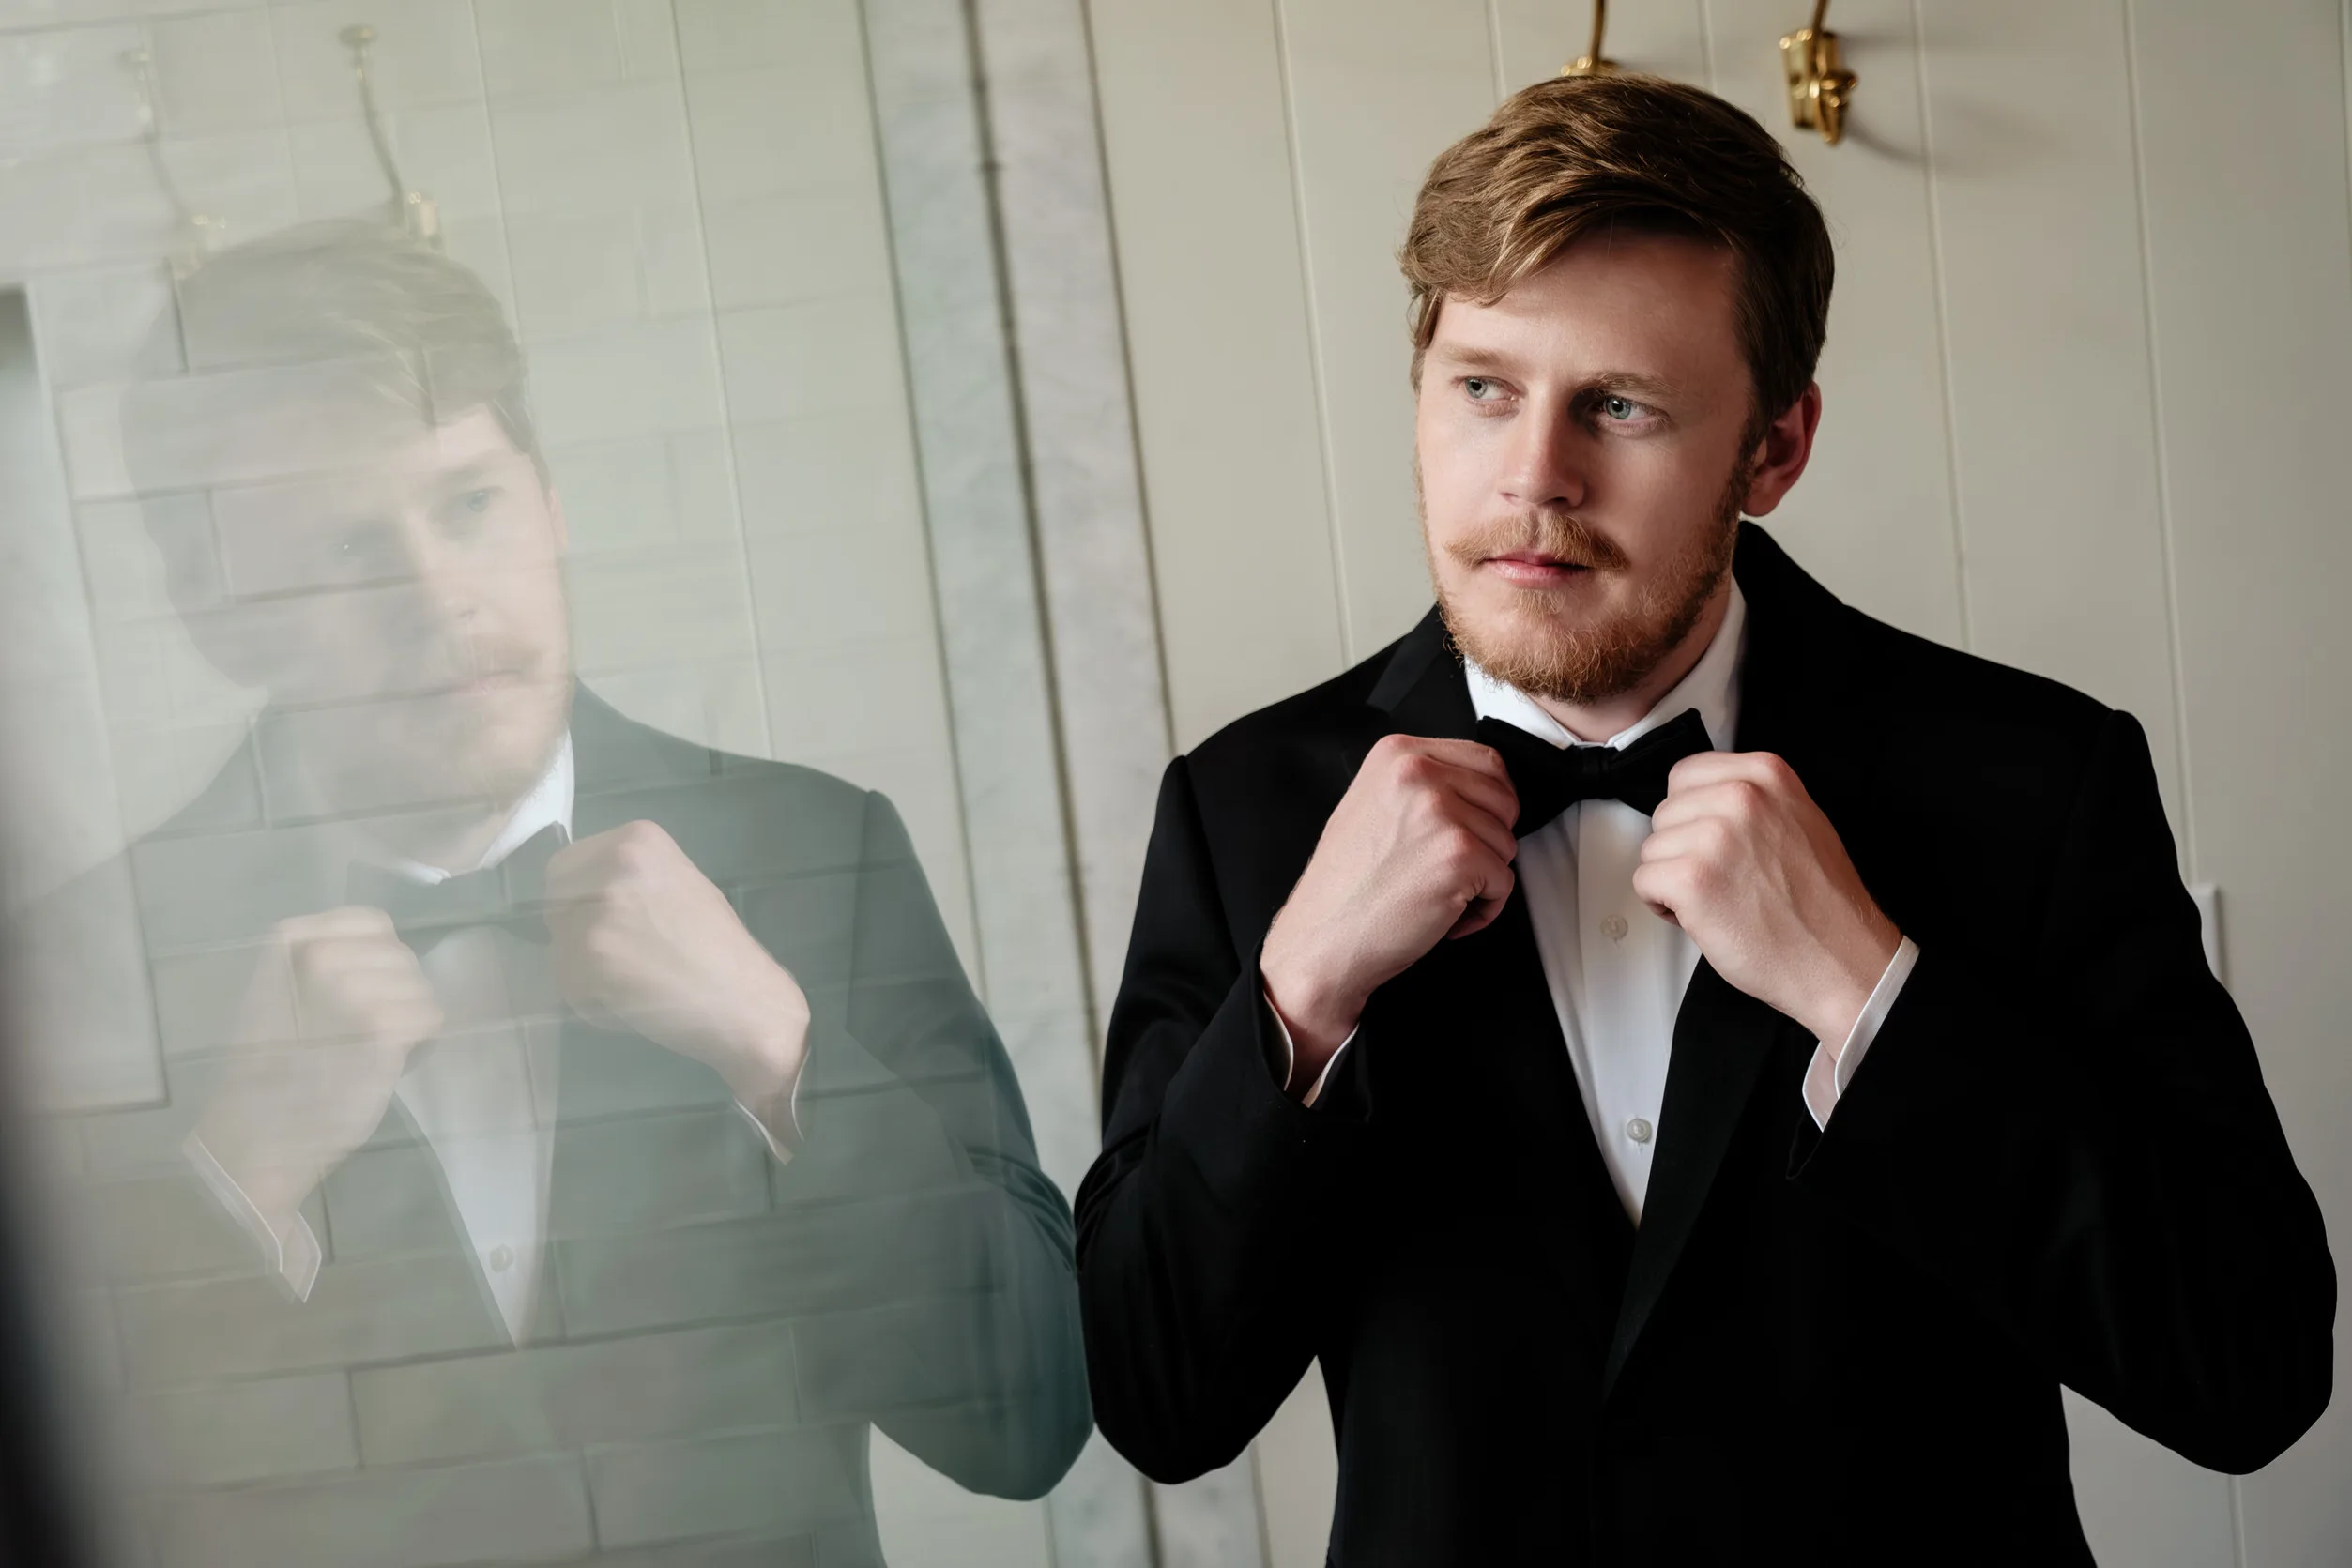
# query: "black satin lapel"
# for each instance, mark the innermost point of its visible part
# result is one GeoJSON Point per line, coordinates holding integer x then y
{"type": "Point", "coordinates": [1722, 1038]}
{"type": "Point", "coordinates": [1424, 688]}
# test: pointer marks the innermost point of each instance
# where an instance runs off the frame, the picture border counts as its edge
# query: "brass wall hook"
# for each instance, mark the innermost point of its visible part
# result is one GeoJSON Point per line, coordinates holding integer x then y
{"type": "Point", "coordinates": [411, 210]}
{"type": "Point", "coordinates": [1820, 86]}
{"type": "Point", "coordinates": [1592, 61]}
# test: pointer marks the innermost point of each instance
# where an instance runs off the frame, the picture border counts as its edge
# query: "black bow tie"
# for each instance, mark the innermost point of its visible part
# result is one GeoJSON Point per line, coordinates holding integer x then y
{"type": "Point", "coordinates": [1549, 779]}
{"type": "Point", "coordinates": [511, 894]}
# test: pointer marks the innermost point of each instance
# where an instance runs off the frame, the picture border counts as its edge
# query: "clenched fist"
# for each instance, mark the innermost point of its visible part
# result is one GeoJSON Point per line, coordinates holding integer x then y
{"type": "Point", "coordinates": [1742, 858]}
{"type": "Point", "coordinates": [644, 941]}
{"type": "Point", "coordinates": [1419, 849]}
{"type": "Point", "coordinates": [323, 1032]}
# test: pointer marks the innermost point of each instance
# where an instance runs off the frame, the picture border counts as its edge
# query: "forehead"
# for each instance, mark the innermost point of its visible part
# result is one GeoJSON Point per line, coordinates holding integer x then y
{"type": "Point", "coordinates": [1630, 300]}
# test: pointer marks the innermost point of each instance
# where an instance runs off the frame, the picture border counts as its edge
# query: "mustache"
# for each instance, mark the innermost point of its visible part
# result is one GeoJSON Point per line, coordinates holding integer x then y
{"type": "Point", "coordinates": [1555, 534]}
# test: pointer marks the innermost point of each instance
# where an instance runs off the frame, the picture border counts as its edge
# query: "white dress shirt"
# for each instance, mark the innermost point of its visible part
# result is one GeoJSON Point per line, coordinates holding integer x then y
{"type": "Point", "coordinates": [483, 1092]}
{"type": "Point", "coordinates": [1617, 971]}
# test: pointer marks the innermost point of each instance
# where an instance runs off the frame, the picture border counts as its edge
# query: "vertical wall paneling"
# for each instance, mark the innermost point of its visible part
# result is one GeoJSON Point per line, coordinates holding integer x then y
{"type": "Point", "coordinates": [1376, 88]}
{"type": "Point", "coordinates": [2029, 110]}
{"type": "Point", "coordinates": [2251, 267]}
{"type": "Point", "coordinates": [1201, 202]}
{"type": "Point", "coordinates": [1874, 515]}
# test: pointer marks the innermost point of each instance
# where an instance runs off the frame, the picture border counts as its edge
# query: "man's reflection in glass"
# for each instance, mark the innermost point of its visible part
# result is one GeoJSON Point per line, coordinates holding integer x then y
{"type": "Point", "coordinates": [575, 1137]}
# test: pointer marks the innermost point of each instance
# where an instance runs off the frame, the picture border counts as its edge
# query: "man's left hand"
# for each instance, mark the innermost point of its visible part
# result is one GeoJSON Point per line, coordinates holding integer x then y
{"type": "Point", "coordinates": [641, 940]}
{"type": "Point", "coordinates": [1740, 857]}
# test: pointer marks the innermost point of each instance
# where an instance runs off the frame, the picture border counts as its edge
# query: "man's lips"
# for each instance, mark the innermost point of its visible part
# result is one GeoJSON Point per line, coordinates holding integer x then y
{"type": "Point", "coordinates": [1534, 568]}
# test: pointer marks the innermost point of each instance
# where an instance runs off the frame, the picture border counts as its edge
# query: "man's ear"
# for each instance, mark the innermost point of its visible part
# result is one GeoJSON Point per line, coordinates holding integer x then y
{"type": "Point", "coordinates": [1781, 454]}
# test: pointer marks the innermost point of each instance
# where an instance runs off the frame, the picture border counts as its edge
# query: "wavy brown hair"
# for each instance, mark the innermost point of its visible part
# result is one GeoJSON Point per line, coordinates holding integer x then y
{"type": "Point", "coordinates": [1573, 156]}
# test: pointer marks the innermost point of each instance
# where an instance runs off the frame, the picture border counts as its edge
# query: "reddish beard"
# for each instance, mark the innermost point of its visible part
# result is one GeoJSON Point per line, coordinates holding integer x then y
{"type": "Point", "coordinates": [1538, 646]}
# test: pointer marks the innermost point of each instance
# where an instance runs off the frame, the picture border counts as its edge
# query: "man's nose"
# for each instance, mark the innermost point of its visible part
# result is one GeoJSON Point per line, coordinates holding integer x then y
{"type": "Point", "coordinates": [1547, 461]}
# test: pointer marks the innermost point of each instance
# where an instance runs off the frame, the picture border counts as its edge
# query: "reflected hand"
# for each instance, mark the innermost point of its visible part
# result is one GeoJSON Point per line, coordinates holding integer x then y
{"type": "Point", "coordinates": [641, 940]}
{"type": "Point", "coordinates": [323, 1030]}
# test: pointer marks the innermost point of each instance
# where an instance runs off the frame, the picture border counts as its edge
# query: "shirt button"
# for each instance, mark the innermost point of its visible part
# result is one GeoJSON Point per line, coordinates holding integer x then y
{"type": "Point", "coordinates": [1614, 928]}
{"type": "Point", "coordinates": [1640, 1131]}
{"type": "Point", "coordinates": [501, 1258]}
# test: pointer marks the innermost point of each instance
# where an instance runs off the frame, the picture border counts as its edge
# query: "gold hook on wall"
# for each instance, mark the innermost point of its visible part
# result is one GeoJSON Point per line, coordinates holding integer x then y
{"type": "Point", "coordinates": [196, 234]}
{"type": "Point", "coordinates": [1820, 86]}
{"type": "Point", "coordinates": [1591, 63]}
{"type": "Point", "coordinates": [411, 210]}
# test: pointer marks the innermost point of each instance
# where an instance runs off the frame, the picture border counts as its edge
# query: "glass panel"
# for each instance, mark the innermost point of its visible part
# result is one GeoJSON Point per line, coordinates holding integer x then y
{"type": "Point", "coordinates": [505, 905]}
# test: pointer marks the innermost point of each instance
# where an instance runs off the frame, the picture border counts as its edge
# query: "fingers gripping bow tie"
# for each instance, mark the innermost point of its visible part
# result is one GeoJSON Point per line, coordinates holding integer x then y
{"type": "Point", "coordinates": [1549, 779]}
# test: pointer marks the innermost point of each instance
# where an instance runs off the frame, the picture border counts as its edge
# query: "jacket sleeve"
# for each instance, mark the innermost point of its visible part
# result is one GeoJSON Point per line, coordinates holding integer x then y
{"type": "Point", "coordinates": [2128, 1209]}
{"type": "Point", "coordinates": [1205, 1234]}
{"type": "Point", "coordinates": [951, 1313]}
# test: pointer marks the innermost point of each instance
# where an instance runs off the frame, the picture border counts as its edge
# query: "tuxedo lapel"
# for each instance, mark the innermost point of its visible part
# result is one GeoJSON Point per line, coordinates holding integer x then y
{"type": "Point", "coordinates": [1722, 1037]}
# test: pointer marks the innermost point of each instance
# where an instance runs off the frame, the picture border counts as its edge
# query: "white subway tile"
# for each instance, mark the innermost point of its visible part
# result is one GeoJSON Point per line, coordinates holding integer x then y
{"type": "Point", "coordinates": [702, 485]}
{"type": "Point", "coordinates": [797, 245]}
{"type": "Point", "coordinates": [443, 153]}
{"type": "Point", "coordinates": [832, 470]}
{"type": "Point", "coordinates": [830, 355]}
{"type": "Point", "coordinates": [671, 260]}
{"type": "Point", "coordinates": [649, 40]}
{"type": "Point", "coordinates": [89, 204]}
{"type": "Point", "coordinates": [423, 55]}
{"type": "Point", "coordinates": [840, 585]}
{"type": "Point", "coordinates": [639, 609]}
{"type": "Point", "coordinates": [650, 376]}
{"type": "Point", "coordinates": [574, 273]}
{"type": "Point", "coordinates": [854, 696]}
{"type": "Point", "coordinates": [757, 131]}
{"type": "Point", "coordinates": [217, 72]}
{"type": "Point", "coordinates": [243, 179]}
{"type": "Point", "coordinates": [616, 495]}
{"type": "Point", "coordinates": [105, 324]}
{"type": "Point", "coordinates": [536, 46]}
{"type": "Point", "coordinates": [68, 87]}
{"type": "Point", "coordinates": [735, 35]}
{"type": "Point", "coordinates": [608, 149]}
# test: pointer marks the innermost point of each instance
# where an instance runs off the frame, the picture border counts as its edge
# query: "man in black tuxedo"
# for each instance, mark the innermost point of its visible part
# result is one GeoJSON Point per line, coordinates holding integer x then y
{"type": "Point", "coordinates": [1697, 1067]}
{"type": "Point", "coordinates": [571, 1141]}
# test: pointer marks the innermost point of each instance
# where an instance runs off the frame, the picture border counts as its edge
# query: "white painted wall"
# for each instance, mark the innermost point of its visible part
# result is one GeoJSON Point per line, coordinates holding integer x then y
{"type": "Point", "coordinates": [2090, 380]}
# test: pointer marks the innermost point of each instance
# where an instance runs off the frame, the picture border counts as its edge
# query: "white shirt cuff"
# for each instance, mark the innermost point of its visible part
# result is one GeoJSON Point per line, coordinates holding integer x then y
{"type": "Point", "coordinates": [292, 1256]}
{"type": "Point", "coordinates": [1290, 1055]}
{"type": "Point", "coordinates": [1827, 1077]}
{"type": "Point", "coordinates": [780, 1141]}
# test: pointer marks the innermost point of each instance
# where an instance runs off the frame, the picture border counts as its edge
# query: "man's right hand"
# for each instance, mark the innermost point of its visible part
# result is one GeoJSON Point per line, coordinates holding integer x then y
{"type": "Point", "coordinates": [335, 1005]}
{"type": "Point", "coordinates": [1419, 849]}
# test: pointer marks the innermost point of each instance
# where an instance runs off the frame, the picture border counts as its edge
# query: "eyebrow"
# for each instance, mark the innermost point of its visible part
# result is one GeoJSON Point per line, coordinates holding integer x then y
{"type": "Point", "coordinates": [1471, 357]}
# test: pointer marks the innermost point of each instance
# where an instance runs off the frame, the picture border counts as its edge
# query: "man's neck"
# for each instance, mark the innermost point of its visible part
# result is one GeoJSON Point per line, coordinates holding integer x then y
{"type": "Point", "coordinates": [453, 838]}
{"type": "Point", "coordinates": [1597, 722]}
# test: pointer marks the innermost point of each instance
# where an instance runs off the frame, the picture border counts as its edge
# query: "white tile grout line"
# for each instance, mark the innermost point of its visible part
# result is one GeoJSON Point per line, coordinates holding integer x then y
{"type": "Point", "coordinates": [1943, 325]}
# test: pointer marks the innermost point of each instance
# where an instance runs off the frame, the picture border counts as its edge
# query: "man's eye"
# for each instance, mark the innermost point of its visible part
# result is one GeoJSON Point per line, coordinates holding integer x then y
{"type": "Point", "coordinates": [1620, 410]}
{"type": "Point", "coordinates": [477, 501]}
{"type": "Point", "coordinates": [1481, 388]}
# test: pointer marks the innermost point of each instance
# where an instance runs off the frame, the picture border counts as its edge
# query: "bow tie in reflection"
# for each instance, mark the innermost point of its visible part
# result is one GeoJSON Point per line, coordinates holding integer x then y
{"type": "Point", "coordinates": [1549, 779]}
{"type": "Point", "coordinates": [511, 894]}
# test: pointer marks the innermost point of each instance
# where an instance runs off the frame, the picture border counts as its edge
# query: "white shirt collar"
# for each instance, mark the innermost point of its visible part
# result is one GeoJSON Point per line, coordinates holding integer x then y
{"type": "Point", "coordinates": [1711, 686]}
{"type": "Point", "coordinates": [548, 804]}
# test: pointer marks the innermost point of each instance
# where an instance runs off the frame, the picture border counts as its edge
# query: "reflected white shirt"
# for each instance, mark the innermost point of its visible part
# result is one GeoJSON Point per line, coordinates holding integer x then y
{"type": "Point", "coordinates": [1617, 971]}
{"type": "Point", "coordinates": [482, 1093]}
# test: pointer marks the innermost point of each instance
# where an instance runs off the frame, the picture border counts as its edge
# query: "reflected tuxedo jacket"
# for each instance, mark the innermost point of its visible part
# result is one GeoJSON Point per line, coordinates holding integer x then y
{"type": "Point", "coordinates": [714, 1333]}
{"type": "Point", "coordinates": [2058, 1164]}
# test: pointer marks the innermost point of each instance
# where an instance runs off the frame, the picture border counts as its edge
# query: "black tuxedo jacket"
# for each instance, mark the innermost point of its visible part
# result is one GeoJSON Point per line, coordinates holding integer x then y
{"type": "Point", "coordinates": [715, 1332]}
{"type": "Point", "coordinates": [2058, 1164]}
